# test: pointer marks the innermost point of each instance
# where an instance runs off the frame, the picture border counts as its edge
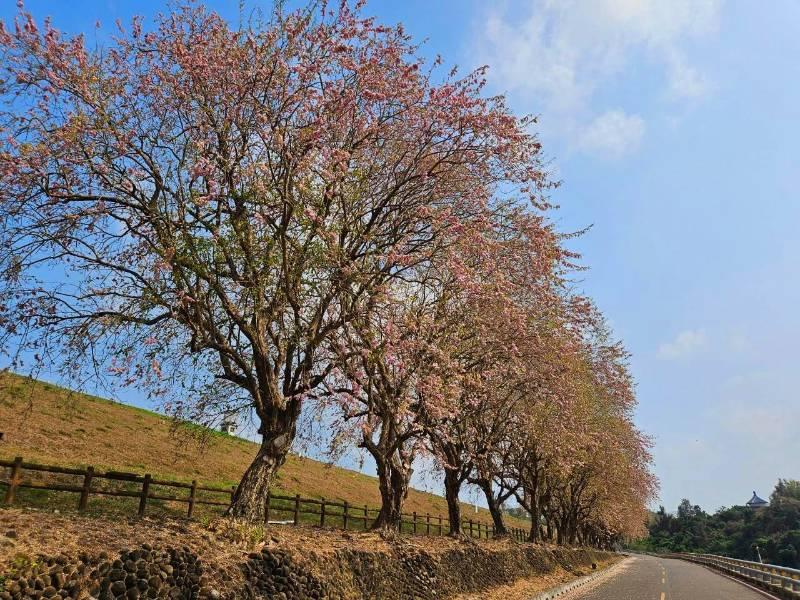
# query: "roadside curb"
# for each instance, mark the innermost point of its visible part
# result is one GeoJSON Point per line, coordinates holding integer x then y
{"type": "Point", "coordinates": [562, 589]}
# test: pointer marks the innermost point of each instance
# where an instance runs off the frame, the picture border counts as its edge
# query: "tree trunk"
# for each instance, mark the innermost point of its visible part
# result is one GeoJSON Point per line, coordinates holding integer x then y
{"type": "Point", "coordinates": [560, 531]}
{"type": "Point", "coordinates": [452, 487]}
{"type": "Point", "coordinates": [249, 500]}
{"type": "Point", "coordinates": [572, 529]}
{"type": "Point", "coordinates": [494, 507]}
{"type": "Point", "coordinates": [535, 513]}
{"type": "Point", "coordinates": [393, 481]}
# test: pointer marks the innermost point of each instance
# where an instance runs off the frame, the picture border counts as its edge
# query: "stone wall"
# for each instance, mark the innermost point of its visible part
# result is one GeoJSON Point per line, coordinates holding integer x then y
{"type": "Point", "coordinates": [408, 572]}
{"type": "Point", "coordinates": [403, 571]}
{"type": "Point", "coordinates": [140, 573]}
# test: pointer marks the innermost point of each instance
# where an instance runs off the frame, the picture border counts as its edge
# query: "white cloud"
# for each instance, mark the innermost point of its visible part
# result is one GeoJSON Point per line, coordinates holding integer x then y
{"type": "Point", "coordinates": [685, 344]}
{"type": "Point", "coordinates": [559, 53]}
{"type": "Point", "coordinates": [685, 82]}
{"type": "Point", "coordinates": [613, 134]}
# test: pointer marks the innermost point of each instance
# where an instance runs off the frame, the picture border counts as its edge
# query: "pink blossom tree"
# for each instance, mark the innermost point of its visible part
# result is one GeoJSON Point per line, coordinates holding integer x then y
{"type": "Point", "coordinates": [382, 360]}
{"type": "Point", "coordinates": [509, 299]}
{"type": "Point", "coordinates": [597, 468]}
{"type": "Point", "coordinates": [200, 210]}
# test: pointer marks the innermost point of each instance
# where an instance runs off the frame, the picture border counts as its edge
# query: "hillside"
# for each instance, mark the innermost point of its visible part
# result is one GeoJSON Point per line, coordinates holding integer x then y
{"type": "Point", "coordinates": [49, 424]}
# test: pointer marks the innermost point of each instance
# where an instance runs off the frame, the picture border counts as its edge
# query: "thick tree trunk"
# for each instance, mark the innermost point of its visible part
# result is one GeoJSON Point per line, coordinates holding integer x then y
{"type": "Point", "coordinates": [561, 531]}
{"type": "Point", "coordinates": [494, 507]}
{"type": "Point", "coordinates": [535, 513]}
{"type": "Point", "coordinates": [393, 481]}
{"type": "Point", "coordinates": [572, 529]}
{"type": "Point", "coordinates": [249, 500]}
{"type": "Point", "coordinates": [452, 487]}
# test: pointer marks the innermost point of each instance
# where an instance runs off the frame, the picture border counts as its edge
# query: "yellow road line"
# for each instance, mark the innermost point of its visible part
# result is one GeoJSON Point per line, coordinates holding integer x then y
{"type": "Point", "coordinates": [663, 595]}
{"type": "Point", "coordinates": [663, 581]}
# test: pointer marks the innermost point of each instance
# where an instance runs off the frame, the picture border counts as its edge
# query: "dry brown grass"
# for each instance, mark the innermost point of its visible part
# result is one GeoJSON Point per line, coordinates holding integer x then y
{"type": "Point", "coordinates": [49, 424]}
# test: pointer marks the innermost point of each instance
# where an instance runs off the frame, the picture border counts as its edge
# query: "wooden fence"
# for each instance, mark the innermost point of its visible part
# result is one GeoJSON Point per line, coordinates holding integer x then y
{"type": "Point", "coordinates": [292, 509]}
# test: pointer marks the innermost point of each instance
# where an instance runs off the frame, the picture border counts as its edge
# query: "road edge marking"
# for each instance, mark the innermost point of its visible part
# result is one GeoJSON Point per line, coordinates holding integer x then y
{"type": "Point", "coordinates": [581, 581]}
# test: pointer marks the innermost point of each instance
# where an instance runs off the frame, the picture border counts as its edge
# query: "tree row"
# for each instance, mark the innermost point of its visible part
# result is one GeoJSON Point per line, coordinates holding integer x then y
{"type": "Point", "coordinates": [299, 217]}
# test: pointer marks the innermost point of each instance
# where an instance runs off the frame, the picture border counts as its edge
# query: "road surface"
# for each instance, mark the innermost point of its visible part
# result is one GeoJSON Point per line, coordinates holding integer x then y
{"type": "Point", "coordinates": [650, 578]}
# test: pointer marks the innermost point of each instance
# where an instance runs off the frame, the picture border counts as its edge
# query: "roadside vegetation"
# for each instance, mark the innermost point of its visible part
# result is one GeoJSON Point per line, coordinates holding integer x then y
{"type": "Point", "coordinates": [771, 534]}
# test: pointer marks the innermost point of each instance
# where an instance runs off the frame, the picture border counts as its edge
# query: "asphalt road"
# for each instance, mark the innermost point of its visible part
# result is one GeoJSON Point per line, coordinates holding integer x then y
{"type": "Point", "coordinates": [650, 578]}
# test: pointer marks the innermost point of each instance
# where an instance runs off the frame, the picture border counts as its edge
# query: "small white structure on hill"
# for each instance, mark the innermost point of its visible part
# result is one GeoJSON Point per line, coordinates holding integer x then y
{"type": "Point", "coordinates": [228, 425]}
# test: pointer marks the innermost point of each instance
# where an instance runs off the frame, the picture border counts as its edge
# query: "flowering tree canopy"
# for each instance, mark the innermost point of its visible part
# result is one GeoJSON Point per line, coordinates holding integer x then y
{"type": "Point", "coordinates": [301, 211]}
{"type": "Point", "coordinates": [200, 209]}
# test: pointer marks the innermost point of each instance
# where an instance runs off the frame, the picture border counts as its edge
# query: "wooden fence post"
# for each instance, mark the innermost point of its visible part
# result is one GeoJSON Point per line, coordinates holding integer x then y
{"type": "Point", "coordinates": [471, 533]}
{"type": "Point", "coordinates": [14, 482]}
{"type": "Point", "coordinates": [427, 523]}
{"type": "Point", "coordinates": [322, 513]}
{"type": "Point", "coordinates": [297, 509]}
{"type": "Point", "coordinates": [87, 483]}
{"type": "Point", "coordinates": [266, 506]}
{"type": "Point", "coordinates": [440, 524]}
{"type": "Point", "coordinates": [366, 516]}
{"type": "Point", "coordinates": [414, 526]}
{"type": "Point", "coordinates": [145, 492]}
{"type": "Point", "coordinates": [192, 496]}
{"type": "Point", "coordinates": [344, 515]}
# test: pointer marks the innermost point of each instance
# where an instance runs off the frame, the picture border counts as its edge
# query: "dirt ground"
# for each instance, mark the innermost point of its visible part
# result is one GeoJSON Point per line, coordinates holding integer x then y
{"type": "Point", "coordinates": [33, 532]}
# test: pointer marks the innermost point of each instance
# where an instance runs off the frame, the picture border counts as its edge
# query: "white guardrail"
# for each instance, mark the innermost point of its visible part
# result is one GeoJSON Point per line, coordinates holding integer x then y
{"type": "Point", "coordinates": [780, 580]}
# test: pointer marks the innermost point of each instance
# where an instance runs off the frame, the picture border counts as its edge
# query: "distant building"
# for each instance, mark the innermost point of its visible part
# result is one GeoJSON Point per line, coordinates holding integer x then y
{"type": "Point", "coordinates": [228, 425]}
{"type": "Point", "coordinates": [756, 502]}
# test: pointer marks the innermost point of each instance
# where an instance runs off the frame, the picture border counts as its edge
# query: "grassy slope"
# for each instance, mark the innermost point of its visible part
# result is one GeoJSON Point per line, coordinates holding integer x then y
{"type": "Point", "coordinates": [48, 424]}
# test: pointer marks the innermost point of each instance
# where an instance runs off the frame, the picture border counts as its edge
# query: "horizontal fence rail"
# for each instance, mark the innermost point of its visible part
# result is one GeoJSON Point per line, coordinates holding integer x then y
{"type": "Point", "coordinates": [280, 509]}
{"type": "Point", "coordinates": [780, 580]}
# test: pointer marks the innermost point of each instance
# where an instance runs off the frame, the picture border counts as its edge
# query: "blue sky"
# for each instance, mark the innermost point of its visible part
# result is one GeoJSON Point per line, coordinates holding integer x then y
{"type": "Point", "coordinates": [674, 127]}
